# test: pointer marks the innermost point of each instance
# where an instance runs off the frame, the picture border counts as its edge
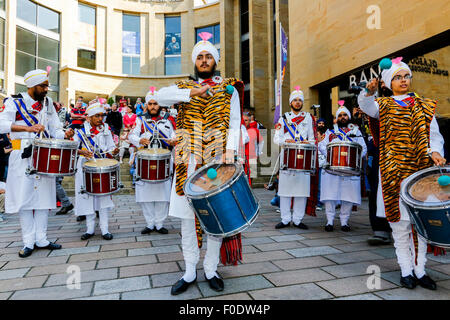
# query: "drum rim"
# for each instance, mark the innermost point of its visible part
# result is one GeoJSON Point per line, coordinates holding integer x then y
{"type": "Point", "coordinates": [55, 143]}
{"type": "Point", "coordinates": [344, 143]}
{"type": "Point", "coordinates": [335, 169]}
{"type": "Point", "coordinates": [239, 171]}
{"type": "Point", "coordinates": [407, 183]}
{"type": "Point", "coordinates": [299, 146]}
{"type": "Point", "coordinates": [157, 156]}
{"type": "Point", "coordinates": [106, 169]}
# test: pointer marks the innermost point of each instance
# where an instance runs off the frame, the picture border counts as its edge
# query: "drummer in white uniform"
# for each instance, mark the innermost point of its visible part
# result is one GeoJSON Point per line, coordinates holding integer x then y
{"type": "Point", "coordinates": [25, 116]}
{"type": "Point", "coordinates": [334, 188]}
{"type": "Point", "coordinates": [153, 197]}
{"type": "Point", "coordinates": [294, 186]}
{"type": "Point", "coordinates": [95, 135]}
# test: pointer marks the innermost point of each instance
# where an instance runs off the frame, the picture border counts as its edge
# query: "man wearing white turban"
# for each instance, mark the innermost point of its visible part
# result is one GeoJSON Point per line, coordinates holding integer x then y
{"type": "Point", "coordinates": [96, 141]}
{"type": "Point", "coordinates": [25, 116]}
{"type": "Point", "coordinates": [334, 188]}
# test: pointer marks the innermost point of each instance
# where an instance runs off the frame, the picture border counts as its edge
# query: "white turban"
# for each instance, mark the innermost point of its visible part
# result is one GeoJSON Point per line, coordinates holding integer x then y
{"type": "Point", "coordinates": [151, 95]}
{"type": "Point", "coordinates": [297, 93]}
{"type": "Point", "coordinates": [95, 108]}
{"type": "Point", "coordinates": [341, 109]}
{"type": "Point", "coordinates": [205, 45]}
{"type": "Point", "coordinates": [388, 74]}
{"type": "Point", "coordinates": [35, 77]}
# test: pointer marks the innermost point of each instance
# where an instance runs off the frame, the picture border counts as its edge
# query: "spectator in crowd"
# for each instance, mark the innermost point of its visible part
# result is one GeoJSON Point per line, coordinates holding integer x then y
{"type": "Point", "coordinates": [5, 151]}
{"type": "Point", "coordinates": [321, 133]}
{"type": "Point", "coordinates": [114, 119]}
{"type": "Point", "coordinates": [253, 119]}
{"type": "Point", "coordinates": [68, 122]}
{"type": "Point", "coordinates": [122, 105]}
{"type": "Point", "coordinates": [126, 144]}
{"type": "Point", "coordinates": [321, 126]}
{"type": "Point", "coordinates": [129, 119]}
{"type": "Point", "coordinates": [139, 107]}
{"type": "Point", "coordinates": [59, 107]}
{"type": "Point", "coordinates": [256, 143]}
{"type": "Point", "coordinates": [66, 205]}
{"type": "Point", "coordinates": [78, 116]}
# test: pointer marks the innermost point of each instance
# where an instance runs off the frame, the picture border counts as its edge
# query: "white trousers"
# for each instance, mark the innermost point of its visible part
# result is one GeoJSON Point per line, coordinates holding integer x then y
{"type": "Point", "coordinates": [34, 227]}
{"type": "Point", "coordinates": [155, 213]}
{"type": "Point", "coordinates": [191, 251]}
{"type": "Point", "coordinates": [103, 215]}
{"type": "Point", "coordinates": [298, 208]}
{"type": "Point", "coordinates": [330, 209]}
{"type": "Point", "coordinates": [404, 249]}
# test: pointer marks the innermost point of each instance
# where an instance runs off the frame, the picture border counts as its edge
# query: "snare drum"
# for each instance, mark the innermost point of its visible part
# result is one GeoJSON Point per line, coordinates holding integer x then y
{"type": "Point", "coordinates": [54, 157]}
{"type": "Point", "coordinates": [101, 177]}
{"type": "Point", "coordinates": [226, 205]}
{"type": "Point", "coordinates": [344, 158]}
{"type": "Point", "coordinates": [153, 165]}
{"type": "Point", "coordinates": [428, 205]}
{"type": "Point", "coordinates": [298, 157]}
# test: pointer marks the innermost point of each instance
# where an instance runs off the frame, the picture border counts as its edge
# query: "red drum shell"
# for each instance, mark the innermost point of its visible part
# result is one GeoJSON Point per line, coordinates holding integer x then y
{"type": "Point", "coordinates": [344, 158]}
{"type": "Point", "coordinates": [102, 179]}
{"type": "Point", "coordinates": [54, 157]}
{"type": "Point", "coordinates": [299, 157]}
{"type": "Point", "coordinates": [153, 165]}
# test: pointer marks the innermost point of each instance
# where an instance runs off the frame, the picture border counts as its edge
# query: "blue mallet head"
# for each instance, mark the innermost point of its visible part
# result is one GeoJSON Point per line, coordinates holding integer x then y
{"type": "Point", "coordinates": [385, 64]}
{"type": "Point", "coordinates": [212, 173]}
{"type": "Point", "coordinates": [444, 180]}
{"type": "Point", "coordinates": [230, 89]}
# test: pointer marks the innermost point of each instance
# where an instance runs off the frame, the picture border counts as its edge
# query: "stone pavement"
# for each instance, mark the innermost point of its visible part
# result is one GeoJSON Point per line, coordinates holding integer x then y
{"type": "Point", "coordinates": [278, 264]}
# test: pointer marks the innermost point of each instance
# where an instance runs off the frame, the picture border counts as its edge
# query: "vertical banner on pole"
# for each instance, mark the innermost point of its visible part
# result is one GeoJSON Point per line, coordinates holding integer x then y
{"type": "Point", "coordinates": [283, 54]}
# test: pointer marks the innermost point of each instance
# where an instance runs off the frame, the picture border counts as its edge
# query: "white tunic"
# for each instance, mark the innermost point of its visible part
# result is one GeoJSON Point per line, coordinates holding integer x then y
{"type": "Point", "coordinates": [294, 183]}
{"type": "Point", "coordinates": [179, 206]}
{"type": "Point", "coordinates": [25, 192]}
{"type": "Point", "coordinates": [369, 106]}
{"type": "Point", "coordinates": [146, 191]}
{"type": "Point", "coordinates": [86, 204]}
{"type": "Point", "coordinates": [337, 188]}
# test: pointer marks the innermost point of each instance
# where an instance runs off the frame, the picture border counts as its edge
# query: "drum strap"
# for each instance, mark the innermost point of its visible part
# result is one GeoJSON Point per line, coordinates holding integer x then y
{"type": "Point", "coordinates": [151, 129]}
{"type": "Point", "coordinates": [291, 128]}
{"type": "Point", "coordinates": [89, 143]}
{"type": "Point", "coordinates": [29, 119]}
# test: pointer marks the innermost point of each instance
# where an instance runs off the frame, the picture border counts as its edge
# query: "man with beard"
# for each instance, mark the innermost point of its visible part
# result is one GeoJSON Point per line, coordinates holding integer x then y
{"type": "Point", "coordinates": [153, 197]}
{"type": "Point", "coordinates": [297, 127]}
{"type": "Point", "coordinates": [207, 106]}
{"type": "Point", "coordinates": [334, 188]}
{"type": "Point", "coordinates": [25, 116]}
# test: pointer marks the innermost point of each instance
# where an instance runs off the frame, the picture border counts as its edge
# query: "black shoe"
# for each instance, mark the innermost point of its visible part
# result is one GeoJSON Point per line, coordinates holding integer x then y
{"type": "Point", "coordinates": [215, 283]}
{"type": "Point", "coordinates": [301, 225]}
{"type": "Point", "coordinates": [51, 246]}
{"type": "Point", "coordinates": [81, 218]}
{"type": "Point", "coordinates": [281, 225]}
{"type": "Point", "coordinates": [427, 283]}
{"type": "Point", "coordinates": [97, 214]}
{"type": "Point", "coordinates": [181, 286]}
{"type": "Point", "coordinates": [65, 210]}
{"type": "Point", "coordinates": [409, 282]}
{"type": "Point", "coordinates": [87, 236]}
{"type": "Point", "coordinates": [107, 236]}
{"type": "Point", "coordinates": [329, 228]}
{"type": "Point", "coordinates": [25, 252]}
{"type": "Point", "coordinates": [378, 240]}
{"type": "Point", "coordinates": [146, 230]}
{"type": "Point", "coordinates": [162, 230]}
{"type": "Point", "coordinates": [345, 228]}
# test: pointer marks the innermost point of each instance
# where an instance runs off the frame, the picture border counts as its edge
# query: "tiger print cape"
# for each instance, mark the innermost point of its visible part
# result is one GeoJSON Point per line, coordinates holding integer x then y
{"type": "Point", "coordinates": [202, 131]}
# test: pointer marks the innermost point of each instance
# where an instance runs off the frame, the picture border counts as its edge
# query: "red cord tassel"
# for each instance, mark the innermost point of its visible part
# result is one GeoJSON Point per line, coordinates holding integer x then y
{"type": "Point", "coordinates": [231, 250]}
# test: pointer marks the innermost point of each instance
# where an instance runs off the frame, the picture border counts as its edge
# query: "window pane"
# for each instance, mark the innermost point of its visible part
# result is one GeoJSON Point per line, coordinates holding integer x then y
{"type": "Point", "coordinates": [86, 59]}
{"type": "Point", "coordinates": [24, 63]}
{"type": "Point", "coordinates": [206, 29]}
{"type": "Point", "coordinates": [53, 95]}
{"type": "Point", "coordinates": [131, 36]}
{"type": "Point", "coordinates": [136, 65]}
{"type": "Point", "coordinates": [20, 88]}
{"type": "Point", "coordinates": [173, 35]}
{"type": "Point", "coordinates": [2, 4]}
{"type": "Point", "coordinates": [131, 23]}
{"type": "Point", "coordinates": [126, 65]}
{"type": "Point", "coordinates": [86, 14]}
{"type": "Point", "coordinates": [26, 10]}
{"type": "Point", "coordinates": [217, 34]}
{"type": "Point", "coordinates": [2, 57]}
{"type": "Point", "coordinates": [173, 65]}
{"type": "Point", "coordinates": [48, 48]}
{"type": "Point", "coordinates": [26, 41]}
{"type": "Point", "coordinates": [2, 31]}
{"type": "Point", "coordinates": [54, 73]}
{"type": "Point", "coordinates": [48, 19]}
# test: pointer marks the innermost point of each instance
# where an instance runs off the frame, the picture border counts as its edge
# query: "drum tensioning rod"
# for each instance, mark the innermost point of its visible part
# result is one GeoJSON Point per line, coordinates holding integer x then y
{"type": "Point", "coordinates": [60, 160]}
{"type": "Point", "coordinates": [239, 206]}
{"type": "Point", "coordinates": [215, 215]}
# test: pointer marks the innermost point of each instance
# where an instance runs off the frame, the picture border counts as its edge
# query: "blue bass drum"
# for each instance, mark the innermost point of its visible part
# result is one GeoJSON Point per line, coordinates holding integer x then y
{"type": "Point", "coordinates": [222, 199]}
{"type": "Point", "coordinates": [428, 205]}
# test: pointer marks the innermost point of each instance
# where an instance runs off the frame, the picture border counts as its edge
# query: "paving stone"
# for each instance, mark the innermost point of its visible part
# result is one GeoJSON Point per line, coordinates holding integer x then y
{"type": "Point", "coordinates": [235, 285]}
{"type": "Point", "coordinates": [236, 297]}
{"type": "Point", "coordinates": [128, 261]}
{"type": "Point", "coordinates": [312, 251]}
{"type": "Point", "coordinates": [324, 242]}
{"type": "Point", "coordinates": [279, 246]}
{"type": "Point", "coordinates": [13, 273]}
{"type": "Point", "coordinates": [366, 296]}
{"type": "Point", "coordinates": [350, 257]}
{"type": "Point", "coordinates": [127, 246]}
{"type": "Point", "coordinates": [166, 279]}
{"type": "Point", "coordinates": [148, 269]}
{"type": "Point", "coordinates": [97, 256]}
{"type": "Point", "coordinates": [167, 242]}
{"type": "Point", "coordinates": [115, 240]}
{"type": "Point", "coordinates": [68, 252]}
{"type": "Point", "coordinates": [352, 286]}
{"type": "Point", "coordinates": [249, 249]}
{"type": "Point", "coordinates": [444, 284]}
{"type": "Point", "coordinates": [418, 293]}
{"type": "Point", "coordinates": [162, 294]}
{"type": "Point", "coordinates": [444, 268]}
{"type": "Point", "coordinates": [247, 269]}
{"type": "Point", "coordinates": [360, 238]}
{"type": "Point", "coordinates": [52, 293]}
{"type": "Point", "coordinates": [121, 285]}
{"type": "Point", "coordinates": [308, 291]}
{"type": "Point", "coordinates": [297, 277]}
{"type": "Point", "coordinates": [153, 250]}
{"type": "Point", "coordinates": [167, 257]}
{"type": "Point", "coordinates": [441, 259]}
{"type": "Point", "coordinates": [85, 276]}
{"type": "Point", "coordinates": [385, 252]}
{"type": "Point", "coordinates": [265, 256]}
{"type": "Point", "coordinates": [259, 234]}
{"type": "Point", "coordinates": [22, 283]}
{"type": "Point", "coordinates": [60, 268]}
{"type": "Point", "coordinates": [394, 276]}
{"type": "Point", "coordinates": [34, 262]}
{"type": "Point", "coordinates": [115, 296]}
{"type": "Point", "coordinates": [351, 269]}
{"type": "Point", "coordinates": [292, 237]}
{"type": "Point", "coordinates": [358, 246]}
{"type": "Point", "coordinates": [318, 234]}
{"type": "Point", "coordinates": [156, 237]}
{"type": "Point", "coordinates": [5, 295]}
{"type": "Point", "coordinates": [302, 263]}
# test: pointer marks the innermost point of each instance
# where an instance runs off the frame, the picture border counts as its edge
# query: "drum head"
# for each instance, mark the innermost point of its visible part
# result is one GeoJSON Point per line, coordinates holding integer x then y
{"type": "Point", "coordinates": [55, 143]}
{"type": "Point", "coordinates": [200, 184]}
{"type": "Point", "coordinates": [154, 154]}
{"type": "Point", "coordinates": [101, 163]}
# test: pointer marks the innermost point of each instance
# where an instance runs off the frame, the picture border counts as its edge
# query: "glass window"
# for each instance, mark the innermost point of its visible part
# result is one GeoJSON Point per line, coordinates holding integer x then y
{"type": "Point", "coordinates": [48, 48]}
{"type": "Point", "coordinates": [173, 45]}
{"type": "Point", "coordinates": [135, 65]}
{"type": "Point", "coordinates": [2, 58]}
{"type": "Point", "coordinates": [126, 65]}
{"type": "Point", "coordinates": [48, 19]}
{"type": "Point", "coordinates": [173, 65]}
{"type": "Point", "coordinates": [24, 63]}
{"type": "Point", "coordinates": [2, 31]}
{"type": "Point", "coordinates": [244, 17]}
{"type": "Point", "coordinates": [86, 14]}
{"type": "Point", "coordinates": [131, 44]}
{"type": "Point", "coordinates": [26, 10]}
{"type": "Point", "coordinates": [214, 30]}
{"type": "Point", "coordinates": [2, 44]}
{"type": "Point", "coordinates": [2, 4]}
{"type": "Point", "coordinates": [26, 41]}
{"type": "Point", "coordinates": [20, 88]}
{"type": "Point", "coordinates": [86, 59]}
{"type": "Point", "coordinates": [54, 74]}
